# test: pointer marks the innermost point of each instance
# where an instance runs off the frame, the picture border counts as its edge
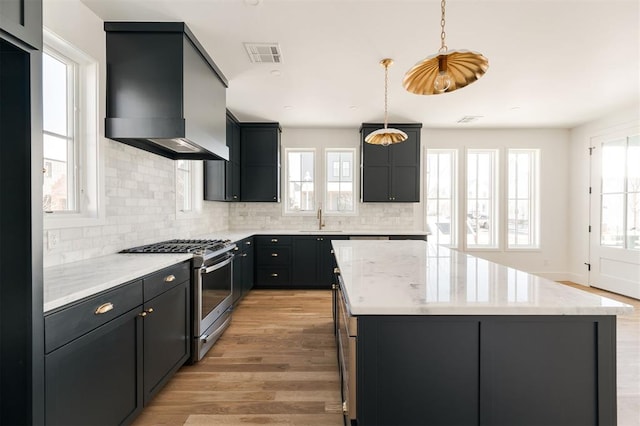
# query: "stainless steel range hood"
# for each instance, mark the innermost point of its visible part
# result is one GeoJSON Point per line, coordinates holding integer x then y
{"type": "Point", "coordinates": [164, 93]}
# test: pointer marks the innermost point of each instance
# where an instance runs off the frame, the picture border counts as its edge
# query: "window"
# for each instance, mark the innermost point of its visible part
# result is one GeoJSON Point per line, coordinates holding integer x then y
{"type": "Point", "coordinates": [300, 181]}
{"type": "Point", "coordinates": [339, 185]}
{"type": "Point", "coordinates": [441, 193]}
{"type": "Point", "coordinates": [620, 194]}
{"type": "Point", "coordinates": [71, 162]}
{"type": "Point", "coordinates": [189, 188]}
{"type": "Point", "coordinates": [522, 199]}
{"type": "Point", "coordinates": [184, 185]}
{"type": "Point", "coordinates": [481, 220]}
{"type": "Point", "coordinates": [59, 91]}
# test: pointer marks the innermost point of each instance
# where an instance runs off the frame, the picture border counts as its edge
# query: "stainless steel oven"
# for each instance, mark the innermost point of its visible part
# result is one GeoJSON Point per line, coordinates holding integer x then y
{"type": "Point", "coordinates": [211, 298]}
{"type": "Point", "coordinates": [212, 302]}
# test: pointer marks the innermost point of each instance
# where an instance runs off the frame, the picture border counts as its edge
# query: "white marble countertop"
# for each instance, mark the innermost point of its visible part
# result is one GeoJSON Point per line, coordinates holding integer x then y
{"type": "Point", "coordinates": [420, 278]}
{"type": "Point", "coordinates": [70, 282]}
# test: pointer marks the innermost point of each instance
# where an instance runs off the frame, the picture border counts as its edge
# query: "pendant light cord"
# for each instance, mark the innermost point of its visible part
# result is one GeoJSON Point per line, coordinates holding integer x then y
{"type": "Point", "coordinates": [443, 45]}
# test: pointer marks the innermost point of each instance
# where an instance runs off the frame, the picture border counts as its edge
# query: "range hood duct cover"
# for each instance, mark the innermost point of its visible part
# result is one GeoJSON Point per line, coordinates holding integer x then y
{"type": "Point", "coordinates": [164, 93]}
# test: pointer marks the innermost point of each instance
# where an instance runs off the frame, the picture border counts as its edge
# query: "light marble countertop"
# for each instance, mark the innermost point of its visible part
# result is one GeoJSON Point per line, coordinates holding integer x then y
{"type": "Point", "coordinates": [70, 282]}
{"type": "Point", "coordinates": [420, 278]}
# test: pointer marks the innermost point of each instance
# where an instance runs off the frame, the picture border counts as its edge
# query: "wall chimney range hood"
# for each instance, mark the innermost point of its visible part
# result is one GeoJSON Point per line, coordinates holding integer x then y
{"type": "Point", "coordinates": [164, 93]}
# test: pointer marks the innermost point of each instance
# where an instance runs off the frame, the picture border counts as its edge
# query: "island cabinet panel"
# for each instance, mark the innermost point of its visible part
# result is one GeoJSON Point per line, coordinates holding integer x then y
{"type": "Point", "coordinates": [260, 162]}
{"type": "Point", "coordinates": [561, 362]}
{"type": "Point", "coordinates": [391, 173]}
{"type": "Point", "coordinates": [417, 370]}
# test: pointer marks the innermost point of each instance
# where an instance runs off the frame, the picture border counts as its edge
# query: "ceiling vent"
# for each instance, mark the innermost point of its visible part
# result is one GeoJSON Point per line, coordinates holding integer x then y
{"type": "Point", "coordinates": [469, 119]}
{"type": "Point", "coordinates": [263, 53]}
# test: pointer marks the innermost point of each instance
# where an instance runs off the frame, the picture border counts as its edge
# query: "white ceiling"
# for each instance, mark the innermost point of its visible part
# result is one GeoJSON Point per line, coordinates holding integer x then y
{"type": "Point", "coordinates": [552, 63]}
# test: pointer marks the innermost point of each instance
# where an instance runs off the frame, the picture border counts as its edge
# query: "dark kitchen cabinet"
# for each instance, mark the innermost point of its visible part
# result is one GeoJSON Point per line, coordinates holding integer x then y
{"type": "Point", "coordinates": [23, 20]}
{"type": "Point", "coordinates": [391, 173]}
{"type": "Point", "coordinates": [222, 178]}
{"type": "Point", "coordinates": [94, 362]}
{"type": "Point", "coordinates": [166, 331]}
{"type": "Point", "coordinates": [108, 355]}
{"type": "Point", "coordinates": [313, 261]}
{"type": "Point", "coordinates": [260, 162]}
{"type": "Point", "coordinates": [243, 267]}
{"type": "Point", "coordinates": [273, 261]}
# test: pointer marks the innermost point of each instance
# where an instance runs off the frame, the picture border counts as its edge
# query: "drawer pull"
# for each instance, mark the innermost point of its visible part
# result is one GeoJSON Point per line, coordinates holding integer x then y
{"type": "Point", "coordinates": [104, 308]}
{"type": "Point", "coordinates": [274, 275]}
{"type": "Point", "coordinates": [274, 254]}
{"type": "Point", "coordinates": [248, 243]}
{"type": "Point", "coordinates": [169, 278]}
{"type": "Point", "coordinates": [274, 240]}
{"type": "Point", "coordinates": [142, 314]}
{"type": "Point", "coordinates": [336, 270]}
{"type": "Point", "coordinates": [150, 310]}
{"type": "Point", "coordinates": [244, 255]}
{"type": "Point", "coordinates": [236, 248]}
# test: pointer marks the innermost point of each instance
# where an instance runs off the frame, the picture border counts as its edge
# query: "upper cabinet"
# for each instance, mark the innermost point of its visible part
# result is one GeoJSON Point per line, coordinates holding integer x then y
{"type": "Point", "coordinates": [22, 19]}
{"type": "Point", "coordinates": [164, 93]}
{"type": "Point", "coordinates": [260, 162]}
{"type": "Point", "coordinates": [222, 178]}
{"type": "Point", "coordinates": [391, 173]}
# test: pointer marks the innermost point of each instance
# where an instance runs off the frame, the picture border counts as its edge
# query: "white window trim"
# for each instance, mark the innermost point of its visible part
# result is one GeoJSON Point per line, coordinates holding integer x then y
{"type": "Point", "coordinates": [90, 158]}
{"type": "Point", "coordinates": [196, 187]}
{"type": "Point", "coordinates": [285, 178]}
{"type": "Point", "coordinates": [535, 211]}
{"type": "Point", "coordinates": [356, 176]}
{"type": "Point", "coordinates": [455, 198]}
{"type": "Point", "coordinates": [498, 208]}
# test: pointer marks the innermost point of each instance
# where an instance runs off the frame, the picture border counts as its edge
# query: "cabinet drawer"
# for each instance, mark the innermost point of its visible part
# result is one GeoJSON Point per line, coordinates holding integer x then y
{"type": "Point", "coordinates": [165, 279]}
{"type": "Point", "coordinates": [274, 256]}
{"type": "Point", "coordinates": [271, 240]}
{"type": "Point", "coordinates": [67, 324]}
{"type": "Point", "coordinates": [272, 276]}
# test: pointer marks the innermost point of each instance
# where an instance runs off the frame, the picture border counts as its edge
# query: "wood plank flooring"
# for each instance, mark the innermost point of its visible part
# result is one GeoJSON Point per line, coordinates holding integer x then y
{"type": "Point", "coordinates": [276, 365]}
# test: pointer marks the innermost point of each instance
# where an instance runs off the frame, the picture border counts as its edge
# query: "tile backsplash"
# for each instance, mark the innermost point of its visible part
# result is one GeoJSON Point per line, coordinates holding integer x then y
{"type": "Point", "coordinates": [140, 208]}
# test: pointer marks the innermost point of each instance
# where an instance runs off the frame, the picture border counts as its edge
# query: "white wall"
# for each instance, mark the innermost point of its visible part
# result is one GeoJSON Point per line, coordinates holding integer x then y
{"type": "Point", "coordinates": [140, 203]}
{"type": "Point", "coordinates": [579, 182]}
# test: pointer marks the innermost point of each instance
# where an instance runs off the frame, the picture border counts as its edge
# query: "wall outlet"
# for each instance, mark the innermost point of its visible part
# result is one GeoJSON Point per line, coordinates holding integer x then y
{"type": "Point", "coordinates": [53, 238]}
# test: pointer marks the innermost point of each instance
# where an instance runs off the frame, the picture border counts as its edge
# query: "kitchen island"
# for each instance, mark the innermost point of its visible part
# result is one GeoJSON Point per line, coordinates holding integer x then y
{"type": "Point", "coordinates": [432, 336]}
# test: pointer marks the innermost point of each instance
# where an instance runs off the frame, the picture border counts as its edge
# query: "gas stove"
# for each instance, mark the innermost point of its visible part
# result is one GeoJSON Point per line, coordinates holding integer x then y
{"type": "Point", "coordinates": [202, 250]}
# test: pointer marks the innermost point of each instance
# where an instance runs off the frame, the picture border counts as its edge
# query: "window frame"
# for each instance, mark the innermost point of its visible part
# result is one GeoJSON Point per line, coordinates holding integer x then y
{"type": "Point", "coordinates": [497, 186]}
{"type": "Point", "coordinates": [534, 200]}
{"type": "Point", "coordinates": [454, 220]}
{"type": "Point", "coordinates": [354, 176]}
{"type": "Point", "coordinates": [195, 189]}
{"type": "Point", "coordinates": [285, 208]}
{"type": "Point", "coordinates": [89, 158]}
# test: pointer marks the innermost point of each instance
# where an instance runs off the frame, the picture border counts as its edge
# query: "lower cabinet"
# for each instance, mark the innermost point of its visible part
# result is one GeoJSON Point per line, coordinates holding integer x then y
{"type": "Point", "coordinates": [313, 261]}
{"type": "Point", "coordinates": [109, 354]}
{"type": "Point", "coordinates": [94, 380]}
{"type": "Point", "coordinates": [242, 269]}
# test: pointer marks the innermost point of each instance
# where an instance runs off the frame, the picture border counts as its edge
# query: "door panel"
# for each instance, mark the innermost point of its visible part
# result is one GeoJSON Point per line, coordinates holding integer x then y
{"type": "Point", "coordinates": [615, 213]}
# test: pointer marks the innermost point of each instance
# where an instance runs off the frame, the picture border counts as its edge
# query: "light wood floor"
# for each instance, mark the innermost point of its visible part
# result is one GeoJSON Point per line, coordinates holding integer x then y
{"type": "Point", "coordinates": [276, 365]}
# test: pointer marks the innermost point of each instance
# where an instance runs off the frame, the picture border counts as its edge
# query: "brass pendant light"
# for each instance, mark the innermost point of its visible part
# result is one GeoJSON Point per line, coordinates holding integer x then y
{"type": "Point", "coordinates": [447, 70]}
{"type": "Point", "coordinates": [386, 136]}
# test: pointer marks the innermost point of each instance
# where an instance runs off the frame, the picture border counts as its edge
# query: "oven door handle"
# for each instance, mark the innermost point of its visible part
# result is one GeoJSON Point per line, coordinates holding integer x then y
{"type": "Point", "coordinates": [212, 268]}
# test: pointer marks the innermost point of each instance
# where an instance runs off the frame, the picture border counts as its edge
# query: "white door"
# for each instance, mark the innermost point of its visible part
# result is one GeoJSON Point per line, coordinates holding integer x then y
{"type": "Point", "coordinates": [615, 213]}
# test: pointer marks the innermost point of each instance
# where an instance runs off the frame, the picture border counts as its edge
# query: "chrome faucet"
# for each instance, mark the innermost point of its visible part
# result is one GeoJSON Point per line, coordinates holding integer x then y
{"type": "Point", "coordinates": [319, 216]}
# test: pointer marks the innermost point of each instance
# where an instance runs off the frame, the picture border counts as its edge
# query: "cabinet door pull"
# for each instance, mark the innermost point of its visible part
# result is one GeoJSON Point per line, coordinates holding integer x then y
{"type": "Point", "coordinates": [274, 240]}
{"type": "Point", "coordinates": [248, 243]}
{"type": "Point", "coordinates": [169, 278]}
{"type": "Point", "coordinates": [274, 254]}
{"type": "Point", "coordinates": [274, 275]}
{"type": "Point", "coordinates": [104, 308]}
{"type": "Point", "coordinates": [236, 249]}
{"type": "Point", "coordinates": [150, 310]}
{"type": "Point", "coordinates": [244, 255]}
{"type": "Point", "coordinates": [142, 314]}
{"type": "Point", "coordinates": [336, 270]}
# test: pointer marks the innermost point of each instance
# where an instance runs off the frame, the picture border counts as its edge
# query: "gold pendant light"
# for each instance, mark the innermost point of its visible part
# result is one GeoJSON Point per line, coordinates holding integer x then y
{"type": "Point", "coordinates": [386, 136]}
{"type": "Point", "coordinates": [447, 70]}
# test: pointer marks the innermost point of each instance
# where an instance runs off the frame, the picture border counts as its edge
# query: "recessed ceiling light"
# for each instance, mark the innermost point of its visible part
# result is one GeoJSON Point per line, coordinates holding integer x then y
{"type": "Point", "coordinates": [353, 107]}
{"type": "Point", "coordinates": [252, 2]}
{"type": "Point", "coordinates": [288, 107]}
{"type": "Point", "coordinates": [515, 108]}
{"type": "Point", "coordinates": [276, 73]}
